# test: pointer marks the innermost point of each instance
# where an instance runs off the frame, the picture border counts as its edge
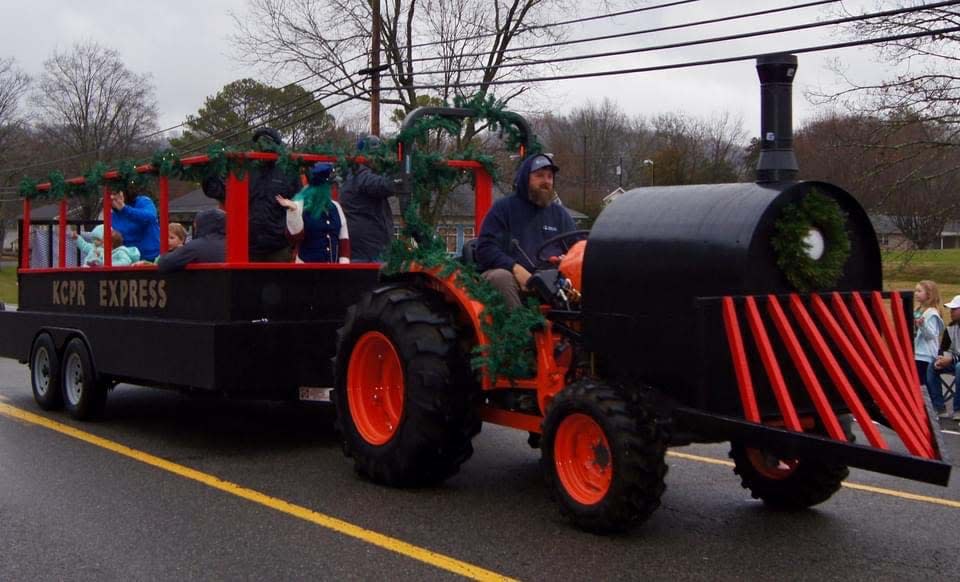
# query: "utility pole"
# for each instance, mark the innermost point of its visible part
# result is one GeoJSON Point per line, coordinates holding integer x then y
{"type": "Point", "coordinates": [583, 195]}
{"type": "Point", "coordinates": [375, 69]}
{"type": "Point", "coordinates": [620, 172]}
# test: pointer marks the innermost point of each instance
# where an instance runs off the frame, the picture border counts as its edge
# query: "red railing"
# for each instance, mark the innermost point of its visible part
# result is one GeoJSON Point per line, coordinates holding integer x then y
{"type": "Point", "coordinates": [236, 204]}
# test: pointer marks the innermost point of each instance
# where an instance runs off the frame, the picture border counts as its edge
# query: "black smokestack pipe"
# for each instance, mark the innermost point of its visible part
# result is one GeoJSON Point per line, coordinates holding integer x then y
{"type": "Point", "coordinates": [777, 162]}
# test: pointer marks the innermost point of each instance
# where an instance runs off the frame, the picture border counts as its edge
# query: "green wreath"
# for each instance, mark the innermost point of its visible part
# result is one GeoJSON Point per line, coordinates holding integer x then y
{"type": "Point", "coordinates": [815, 211]}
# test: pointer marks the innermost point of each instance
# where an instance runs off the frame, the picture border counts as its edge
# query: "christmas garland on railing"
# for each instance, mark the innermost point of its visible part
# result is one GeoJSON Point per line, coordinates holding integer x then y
{"type": "Point", "coordinates": [815, 211]}
{"type": "Point", "coordinates": [509, 351]}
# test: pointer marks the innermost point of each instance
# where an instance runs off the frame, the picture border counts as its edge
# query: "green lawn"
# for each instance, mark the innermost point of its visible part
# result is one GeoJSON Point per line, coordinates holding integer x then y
{"type": "Point", "coordinates": [8, 284]}
{"type": "Point", "coordinates": [940, 266]}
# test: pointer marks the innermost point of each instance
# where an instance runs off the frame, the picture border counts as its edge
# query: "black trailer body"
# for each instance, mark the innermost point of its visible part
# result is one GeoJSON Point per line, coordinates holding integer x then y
{"type": "Point", "coordinates": [256, 331]}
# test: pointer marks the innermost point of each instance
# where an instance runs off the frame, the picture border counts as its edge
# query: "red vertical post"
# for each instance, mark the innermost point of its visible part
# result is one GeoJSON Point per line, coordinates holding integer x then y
{"type": "Point", "coordinates": [107, 228]}
{"type": "Point", "coordinates": [62, 231]}
{"type": "Point", "coordinates": [784, 402]}
{"type": "Point", "coordinates": [739, 356]}
{"type": "Point", "coordinates": [164, 188]}
{"type": "Point", "coordinates": [238, 199]}
{"type": "Point", "coordinates": [25, 243]}
{"type": "Point", "coordinates": [483, 191]}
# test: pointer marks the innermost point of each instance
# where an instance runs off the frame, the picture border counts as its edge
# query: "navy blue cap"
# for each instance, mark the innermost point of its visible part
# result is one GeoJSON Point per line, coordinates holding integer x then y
{"type": "Point", "coordinates": [320, 173]}
{"type": "Point", "coordinates": [543, 161]}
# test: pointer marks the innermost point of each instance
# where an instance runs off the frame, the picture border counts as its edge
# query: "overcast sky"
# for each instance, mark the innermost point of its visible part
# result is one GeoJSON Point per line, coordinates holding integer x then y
{"type": "Point", "coordinates": [185, 47]}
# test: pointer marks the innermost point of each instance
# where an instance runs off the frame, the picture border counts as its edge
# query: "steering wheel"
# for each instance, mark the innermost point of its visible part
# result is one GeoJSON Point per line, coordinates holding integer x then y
{"type": "Point", "coordinates": [562, 238]}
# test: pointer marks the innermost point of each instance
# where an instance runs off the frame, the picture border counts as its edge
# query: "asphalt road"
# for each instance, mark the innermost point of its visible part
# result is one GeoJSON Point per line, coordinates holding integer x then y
{"type": "Point", "coordinates": [293, 509]}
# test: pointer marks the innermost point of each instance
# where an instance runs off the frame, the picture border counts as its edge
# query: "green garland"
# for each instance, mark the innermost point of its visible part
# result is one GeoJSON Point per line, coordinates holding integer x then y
{"type": "Point", "coordinates": [824, 214]}
{"type": "Point", "coordinates": [509, 351]}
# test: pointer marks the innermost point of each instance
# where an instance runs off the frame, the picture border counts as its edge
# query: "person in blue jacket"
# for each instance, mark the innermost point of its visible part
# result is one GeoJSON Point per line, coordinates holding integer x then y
{"type": "Point", "coordinates": [135, 217]}
{"type": "Point", "coordinates": [518, 224]}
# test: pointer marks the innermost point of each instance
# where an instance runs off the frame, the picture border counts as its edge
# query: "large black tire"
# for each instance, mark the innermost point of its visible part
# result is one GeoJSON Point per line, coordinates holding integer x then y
{"type": "Point", "coordinates": [438, 415]}
{"type": "Point", "coordinates": [789, 485]}
{"type": "Point", "coordinates": [634, 449]}
{"type": "Point", "coordinates": [45, 373]}
{"type": "Point", "coordinates": [84, 392]}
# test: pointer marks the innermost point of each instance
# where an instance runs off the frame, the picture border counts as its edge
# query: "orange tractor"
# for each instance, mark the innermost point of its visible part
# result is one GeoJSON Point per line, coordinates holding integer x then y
{"type": "Point", "coordinates": [676, 321]}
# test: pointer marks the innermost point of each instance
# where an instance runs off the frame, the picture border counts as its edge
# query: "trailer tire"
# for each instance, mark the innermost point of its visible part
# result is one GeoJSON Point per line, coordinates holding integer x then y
{"type": "Point", "coordinates": [45, 373]}
{"type": "Point", "coordinates": [789, 485]}
{"type": "Point", "coordinates": [84, 392]}
{"type": "Point", "coordinates": [603, 457]}
{"type": "Point", "coordinates": [409, 420]}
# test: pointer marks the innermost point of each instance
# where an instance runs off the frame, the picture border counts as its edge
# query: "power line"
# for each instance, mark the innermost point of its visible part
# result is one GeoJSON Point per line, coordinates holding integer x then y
{"type": "Point", "coordinates": [640, 32]}
{"type": "Point", "coordinates": [556, 24]}
{"type": "Point", "coordinates": [801, 50]}
{"type": "Point", "coordinates": [715, 39]}
{"type": "Point", "coordinates": [159, 132]}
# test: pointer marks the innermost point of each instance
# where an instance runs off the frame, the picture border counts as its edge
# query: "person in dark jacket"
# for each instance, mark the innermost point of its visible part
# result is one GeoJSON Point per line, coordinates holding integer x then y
{"type": "Point", "coordinates": [364, 197]}
{"type": "Point", "coordinates": [207, 245]}
{"type": "Point", "coordinates": [267, 229]}
{"type": "Point", "coordinates": [518, 224]}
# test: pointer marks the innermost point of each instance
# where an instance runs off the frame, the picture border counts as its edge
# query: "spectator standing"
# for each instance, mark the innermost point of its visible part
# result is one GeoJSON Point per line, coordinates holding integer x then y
{"type": "Point", "coordinates": [926, 341]}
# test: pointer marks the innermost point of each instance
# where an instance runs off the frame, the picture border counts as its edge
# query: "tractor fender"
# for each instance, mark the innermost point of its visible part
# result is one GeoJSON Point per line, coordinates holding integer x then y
{"type": "Point", "coordinates": [469, 311]}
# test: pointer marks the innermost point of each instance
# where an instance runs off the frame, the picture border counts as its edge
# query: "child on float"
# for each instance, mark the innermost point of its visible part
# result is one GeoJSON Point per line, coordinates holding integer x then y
{"type": "Point", "coordinates": [93, 250]}
{"type": "Point", "coordinates": [317, 221]}
{"type": "Point", "coordinates": [926, 341]}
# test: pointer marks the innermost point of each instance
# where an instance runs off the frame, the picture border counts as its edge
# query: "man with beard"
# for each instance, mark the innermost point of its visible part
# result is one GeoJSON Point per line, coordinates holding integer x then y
{"type": "Point", "coordinates": [518, 224]}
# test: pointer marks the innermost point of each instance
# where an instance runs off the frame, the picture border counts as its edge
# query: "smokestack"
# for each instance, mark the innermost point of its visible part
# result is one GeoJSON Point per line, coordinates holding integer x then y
{"type": "Point", "coordinates": [777, 162]}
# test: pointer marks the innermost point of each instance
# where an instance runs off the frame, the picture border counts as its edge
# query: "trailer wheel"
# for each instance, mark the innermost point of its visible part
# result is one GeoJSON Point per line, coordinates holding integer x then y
{"type": "Point", "coordinates": [405, 394]}
{"type": "Point", "coordinates": [603, 457]}
{"type": "Point", "coordinates": [788, 484]}
{"type": "Point", "coordinates": [45, 373]}
{"type": "Point", "coordinates": [84, 393]}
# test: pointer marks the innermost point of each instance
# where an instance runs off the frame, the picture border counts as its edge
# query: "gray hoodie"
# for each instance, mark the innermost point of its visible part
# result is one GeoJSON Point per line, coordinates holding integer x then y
{"type": "Point", "coordinates": [208, 244]}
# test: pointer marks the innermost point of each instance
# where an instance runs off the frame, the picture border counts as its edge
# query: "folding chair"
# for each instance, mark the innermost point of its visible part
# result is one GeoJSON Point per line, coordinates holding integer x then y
{"type": "Point", "coordinates": [948, 383]}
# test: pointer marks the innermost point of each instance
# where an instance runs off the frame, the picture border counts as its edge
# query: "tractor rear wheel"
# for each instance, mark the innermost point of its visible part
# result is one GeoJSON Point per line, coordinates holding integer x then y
{"type": "Point", "coordinates": [406, 398]}
{"type": "Point", "coordinates": [603, 457]}
{"type": "Point", "coordinates": [788, 484]}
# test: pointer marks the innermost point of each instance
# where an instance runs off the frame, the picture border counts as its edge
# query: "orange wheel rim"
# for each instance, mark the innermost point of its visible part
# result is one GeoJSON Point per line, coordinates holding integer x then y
{"type": "Point", "coordinates": [583, 460]}
{"type": "Point", "coordinates": [375, 388]}
{"type": "Point", "coordinates": [770, 466]}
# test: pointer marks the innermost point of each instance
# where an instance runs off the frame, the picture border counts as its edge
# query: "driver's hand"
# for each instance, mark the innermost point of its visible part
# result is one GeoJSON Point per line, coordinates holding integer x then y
{"type": "Point", "coordinates": [521, 275]}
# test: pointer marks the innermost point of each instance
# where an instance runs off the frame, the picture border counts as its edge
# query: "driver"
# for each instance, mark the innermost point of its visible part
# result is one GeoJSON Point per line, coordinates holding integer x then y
{"type": "Point", "coordinates": [518, 224]}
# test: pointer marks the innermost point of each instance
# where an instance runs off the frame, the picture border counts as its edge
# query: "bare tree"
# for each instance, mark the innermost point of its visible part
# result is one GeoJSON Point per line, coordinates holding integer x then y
{"type": "Point", "coordinates": [469, 41]}
{"type": "Point", "coordinates": [91, 107]}
{"type": "Point", "coordinates": [14, 84]}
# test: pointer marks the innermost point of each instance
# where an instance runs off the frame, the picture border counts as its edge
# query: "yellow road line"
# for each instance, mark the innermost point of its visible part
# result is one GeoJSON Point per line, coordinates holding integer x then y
{"type": "Point", "coordinates": [856, 486]}
{"type": "Point", "coordinates": [348, 529]}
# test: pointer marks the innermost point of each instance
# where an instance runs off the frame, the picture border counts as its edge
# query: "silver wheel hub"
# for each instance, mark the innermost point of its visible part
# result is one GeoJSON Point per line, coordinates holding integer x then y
{"type": "Point", "coordinates": [73, 379]}
{"type": "Point", "coordinates": [41, 370]}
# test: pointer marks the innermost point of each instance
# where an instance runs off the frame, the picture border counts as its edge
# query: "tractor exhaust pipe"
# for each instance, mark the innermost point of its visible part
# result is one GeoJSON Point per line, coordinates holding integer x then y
{"type": "Point", "coordinates": [777, 161]}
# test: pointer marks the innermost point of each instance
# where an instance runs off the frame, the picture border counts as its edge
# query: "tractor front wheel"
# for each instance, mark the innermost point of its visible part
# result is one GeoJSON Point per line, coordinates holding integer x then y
{"type": "Point", "coordinates": [786, 484]}
{"type": "Point", "coordinates": [405, 395]}
{"type": "Point", "coordinates": [603, 457]}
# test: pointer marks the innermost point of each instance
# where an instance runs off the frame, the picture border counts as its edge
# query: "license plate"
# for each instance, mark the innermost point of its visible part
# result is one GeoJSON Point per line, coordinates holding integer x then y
{"type": "Point", "coordinates": [314, 394]}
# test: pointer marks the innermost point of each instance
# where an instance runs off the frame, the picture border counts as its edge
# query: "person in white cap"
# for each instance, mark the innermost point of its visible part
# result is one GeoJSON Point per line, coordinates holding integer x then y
{"type": "Point", "coordinates": [950, 352]}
